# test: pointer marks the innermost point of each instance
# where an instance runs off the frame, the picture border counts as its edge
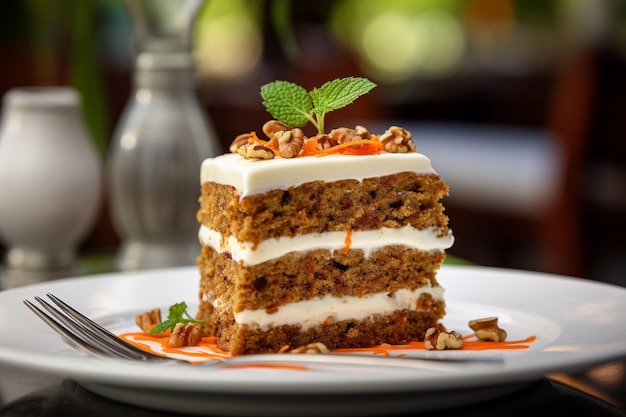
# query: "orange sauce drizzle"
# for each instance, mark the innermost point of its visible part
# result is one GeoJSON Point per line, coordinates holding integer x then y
{"type": "Point", "coordinates": [207, 348]}
{"type": "Point", "coordinates": [468, 344]}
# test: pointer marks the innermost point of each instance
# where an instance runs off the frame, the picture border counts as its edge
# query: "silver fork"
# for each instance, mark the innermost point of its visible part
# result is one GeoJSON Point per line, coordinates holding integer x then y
{"type": "Point", "coordinates": [87, 335]}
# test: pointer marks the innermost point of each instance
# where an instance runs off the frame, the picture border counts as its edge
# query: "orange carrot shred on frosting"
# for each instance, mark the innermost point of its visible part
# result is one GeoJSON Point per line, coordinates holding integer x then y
{"type": "Point", "coordinates": [309, 148]}
{"type": "Point", "coordinates": [255, 139]}
{"type": "Point", "coordinates": [368, 147]}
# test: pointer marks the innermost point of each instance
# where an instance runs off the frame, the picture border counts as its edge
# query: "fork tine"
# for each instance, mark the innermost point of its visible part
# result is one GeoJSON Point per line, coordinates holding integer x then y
{"type": "Point", "coordinates": [84, 324]}
{"type": "Point", "coordinates": [66, 334]}
{"type": "Point", "coordinates": [92, 333]}
{"type": "Point", "coordinates": [90, 336]}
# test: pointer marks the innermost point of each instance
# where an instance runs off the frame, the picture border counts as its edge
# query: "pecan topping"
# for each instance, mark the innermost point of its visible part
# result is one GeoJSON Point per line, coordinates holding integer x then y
{"type": "Point", "coordinates": [288, 142]}
{"type": "Point", "coordinates": [343, 134]}
{"type": "Point", "coordinates": [398, 140]}
{"type": "Point", "coordinates": [239, 141]}
{"type": "Point", "coordinates": [255, 151]}
{"type": "Point", "coordinates": [273, 126]}
{"type": "Point", "coordinates": [185, 335]}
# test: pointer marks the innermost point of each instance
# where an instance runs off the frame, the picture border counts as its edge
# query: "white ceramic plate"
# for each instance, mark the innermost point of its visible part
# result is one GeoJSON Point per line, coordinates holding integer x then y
{"type": "Point", "coordinates": [578, 324]}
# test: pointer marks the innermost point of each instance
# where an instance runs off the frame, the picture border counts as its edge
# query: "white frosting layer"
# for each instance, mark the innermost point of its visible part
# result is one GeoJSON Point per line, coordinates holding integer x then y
{"type": "Point", "coordinates": [426, 240]}
{"type": "Point", "coordinates": [313, 312]}
{"type": "Point", "coordinates": [251, 177]}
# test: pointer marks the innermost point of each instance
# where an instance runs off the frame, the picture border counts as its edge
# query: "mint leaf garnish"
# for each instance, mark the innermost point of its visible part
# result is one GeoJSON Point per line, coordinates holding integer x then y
{"type": "Point", "coordinates": [338, 93]}
{"type": "Point", "coordinates": [294, 106]}
{"type": "Point", "coordinates": [178, 314]}
{"type": "Point", "coordinates": [287, 102]}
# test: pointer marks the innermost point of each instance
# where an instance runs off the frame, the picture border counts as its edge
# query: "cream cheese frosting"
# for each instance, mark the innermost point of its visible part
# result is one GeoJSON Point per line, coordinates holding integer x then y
{"type": "Point", "coordinates": [251, 177]}
{"type": "Point", "coordinates": [427, 240]}
{"type": "Point", "coordinates": [313, 312]}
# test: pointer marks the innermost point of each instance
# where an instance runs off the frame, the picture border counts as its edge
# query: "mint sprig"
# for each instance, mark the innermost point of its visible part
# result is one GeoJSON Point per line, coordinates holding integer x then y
{"type": "Point", "coordinates": [178, 314]}
{"type": "Point", "coordinates": [287, 102]}
{"type": "Point", "coordinates": [294, 106]}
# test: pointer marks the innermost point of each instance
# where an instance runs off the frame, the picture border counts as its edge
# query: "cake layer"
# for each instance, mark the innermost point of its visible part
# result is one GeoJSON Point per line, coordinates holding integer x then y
{"type": "Point", "coordinates": [250, 177]}
{"type": "Point", "coordinates": [393, 201]}
{"type": "Point", "coordinates": [316, 311]}
{"type": "Point", "coordinates": [397, 327]}
{"type": "Point", "coordinates": [369, 240]}
{"type": "Point", "coordinates": [312, 275]}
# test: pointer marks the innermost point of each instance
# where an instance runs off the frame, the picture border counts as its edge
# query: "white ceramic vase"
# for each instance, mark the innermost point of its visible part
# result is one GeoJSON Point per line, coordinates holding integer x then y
{"type": "Point", "coordinates": [50, 181]}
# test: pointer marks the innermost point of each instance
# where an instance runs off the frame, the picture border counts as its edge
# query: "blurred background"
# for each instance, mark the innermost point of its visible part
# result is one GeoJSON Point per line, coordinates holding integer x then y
{"type": "Point", "coordinates": [483, 84]}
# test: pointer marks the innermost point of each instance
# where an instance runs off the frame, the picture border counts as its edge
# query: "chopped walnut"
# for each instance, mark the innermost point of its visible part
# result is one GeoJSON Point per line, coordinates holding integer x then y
{"type": "Point", "coordinates": [435, 339]}
{"type": "Point", "coordinates": [288, 142]}
{"type": "Point", "coordinates": [344, 134]}
{"type": "Point", "coordinates": [311, 348]}
{"type": "Point", "coordinates": [147, 320]}
{"type": "Point", "coordinates": [185, 335]}
{"type": "Point", "coordinates": [487, 329]}
{"type": "Point", "coordinates": [273, 126]}
{"type": "Point", "coordinates": [255, 151]}
{"type": "Point", "coordinates": [239, 141]}
{"type": "Point", "coordinates": [398, 140]}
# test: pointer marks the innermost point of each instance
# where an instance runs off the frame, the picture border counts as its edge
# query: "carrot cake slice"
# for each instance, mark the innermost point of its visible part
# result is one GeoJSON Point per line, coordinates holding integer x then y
{"type": "Point", "coordinates": [335, 238]}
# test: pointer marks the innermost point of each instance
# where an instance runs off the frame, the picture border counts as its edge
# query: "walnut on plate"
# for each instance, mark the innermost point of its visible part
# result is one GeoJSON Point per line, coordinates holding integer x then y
{"type": "Point", "coordinates": [147, 320]}
{"type": "Point", "coordinates": [487, 329]}
{"type": "Point", "coordinates": [185, 335]}
{"type": "Point", "coordinates": [437, 339]}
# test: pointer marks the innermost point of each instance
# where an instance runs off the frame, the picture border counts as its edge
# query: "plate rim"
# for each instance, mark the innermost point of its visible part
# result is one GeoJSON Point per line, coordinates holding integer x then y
{"type": "Point", "coordinates": [124, 373]}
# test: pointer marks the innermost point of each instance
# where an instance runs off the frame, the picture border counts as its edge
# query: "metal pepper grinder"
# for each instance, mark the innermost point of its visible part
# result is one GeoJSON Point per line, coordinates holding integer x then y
{"type": "Point", "coordinates": [160, 142]}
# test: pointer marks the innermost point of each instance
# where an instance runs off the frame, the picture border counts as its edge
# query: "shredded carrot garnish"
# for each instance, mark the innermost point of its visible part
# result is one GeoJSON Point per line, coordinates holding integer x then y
{"type": "Point", "coordinates": [283, 349]}
{"type": "Point", "coordinates": [309, 148]}
{"type": "Point", "coordinates": [368, 147]}
{"type": "Point", "coordinates": [348, 242]}
{"type": "Point", "coordinates": [255, 139]}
